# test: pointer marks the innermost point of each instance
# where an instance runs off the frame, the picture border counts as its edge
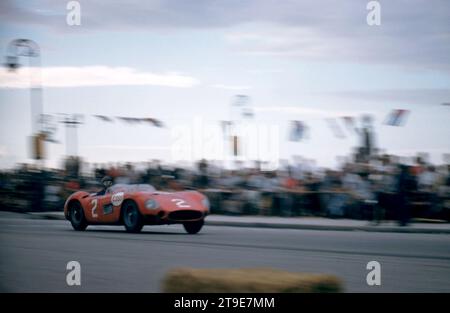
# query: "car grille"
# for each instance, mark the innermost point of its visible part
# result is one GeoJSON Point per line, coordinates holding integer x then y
{"type": "Point", "coordinates": [185, 215]}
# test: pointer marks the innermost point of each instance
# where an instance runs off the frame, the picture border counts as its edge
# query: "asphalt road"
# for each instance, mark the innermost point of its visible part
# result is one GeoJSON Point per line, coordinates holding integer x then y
{"type": "Point", "coordinates": [34, 254]}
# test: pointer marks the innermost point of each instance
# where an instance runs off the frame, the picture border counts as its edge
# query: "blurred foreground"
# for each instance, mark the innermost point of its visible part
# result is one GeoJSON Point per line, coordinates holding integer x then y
{"type": "Point", "coordinates": [35, 252]}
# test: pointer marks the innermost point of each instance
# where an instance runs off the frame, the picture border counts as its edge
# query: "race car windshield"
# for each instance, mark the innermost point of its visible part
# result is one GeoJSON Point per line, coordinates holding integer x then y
{"type": "Point", "coordinates": [131, 188]}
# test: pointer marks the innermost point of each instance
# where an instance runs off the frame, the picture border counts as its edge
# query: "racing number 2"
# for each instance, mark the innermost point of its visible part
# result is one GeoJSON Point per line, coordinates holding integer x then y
{"type": "Point", "coordinates": [181, 203]}
{"type": "Point", "coordinates": [94, 208]}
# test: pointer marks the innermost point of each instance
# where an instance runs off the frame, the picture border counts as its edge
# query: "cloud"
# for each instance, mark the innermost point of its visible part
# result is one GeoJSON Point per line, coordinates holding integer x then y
{"type": "Point", "coordinates": [406, 96]}
{"type": "Point", "coordinates": [231, 87]}
{"type": "Point", "coordinates": [413, 33]}
{"type": "Point", "coordinates": [89, 76]}
{"type": "Point", "coordinates": [411, 48]}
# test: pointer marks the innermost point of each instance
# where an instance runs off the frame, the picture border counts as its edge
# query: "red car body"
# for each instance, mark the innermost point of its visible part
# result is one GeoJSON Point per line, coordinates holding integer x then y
{"type": "Point", "coordinates": [135, 206]}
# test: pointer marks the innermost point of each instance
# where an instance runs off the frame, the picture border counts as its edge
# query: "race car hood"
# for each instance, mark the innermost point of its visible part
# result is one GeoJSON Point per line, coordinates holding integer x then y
{"type": "Point", "coordinates": [172, 201]}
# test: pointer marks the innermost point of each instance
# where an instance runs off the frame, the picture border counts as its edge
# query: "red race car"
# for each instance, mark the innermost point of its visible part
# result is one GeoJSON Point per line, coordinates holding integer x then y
{"type": "Point", "coordinates": [135, 206]}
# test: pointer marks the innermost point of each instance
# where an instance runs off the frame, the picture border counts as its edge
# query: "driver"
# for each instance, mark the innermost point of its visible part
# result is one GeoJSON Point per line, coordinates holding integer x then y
{"type": "Point", "coordinates": [106, 182]}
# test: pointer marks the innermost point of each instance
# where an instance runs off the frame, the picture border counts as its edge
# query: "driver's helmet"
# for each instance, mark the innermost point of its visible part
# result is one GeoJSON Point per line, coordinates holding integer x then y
{"type": "Point", "coordinates": [107, 181]}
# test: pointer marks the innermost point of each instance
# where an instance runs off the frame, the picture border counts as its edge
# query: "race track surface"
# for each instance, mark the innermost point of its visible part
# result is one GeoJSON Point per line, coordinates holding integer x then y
{"type": "Point", "coordinates": [34, 254]}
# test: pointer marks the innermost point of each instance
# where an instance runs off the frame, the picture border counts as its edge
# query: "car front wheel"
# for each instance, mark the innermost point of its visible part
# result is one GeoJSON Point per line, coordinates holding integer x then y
{"type": "Point", "coordinates": [132, 218]}
{"type": "Point", "coordinates": [193, 227]}
{"type": "Point", "coordinates": [77, 218]}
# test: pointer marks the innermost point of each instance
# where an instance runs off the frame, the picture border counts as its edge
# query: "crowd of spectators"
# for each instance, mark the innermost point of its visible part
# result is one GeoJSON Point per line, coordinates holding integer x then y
{"type": "Point", "coordinates": [385, 187]}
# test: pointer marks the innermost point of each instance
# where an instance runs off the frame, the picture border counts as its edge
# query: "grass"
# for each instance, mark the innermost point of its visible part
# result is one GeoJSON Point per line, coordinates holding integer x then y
{"type": "Point", "coordinates": [263, 280]}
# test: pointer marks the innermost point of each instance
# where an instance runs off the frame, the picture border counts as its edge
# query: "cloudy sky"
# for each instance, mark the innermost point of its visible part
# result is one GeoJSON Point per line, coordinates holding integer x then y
{"type": "Point", "coordinates": [183, 62]}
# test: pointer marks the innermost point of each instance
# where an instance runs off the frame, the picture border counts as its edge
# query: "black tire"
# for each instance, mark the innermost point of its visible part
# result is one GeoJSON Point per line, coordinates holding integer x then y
{"type": "Point", "coordinates": [131, 217]}
{"type": "Point", "coordinates": [193, 227]}
{"type": "Point", "coordinates": [77, 218]}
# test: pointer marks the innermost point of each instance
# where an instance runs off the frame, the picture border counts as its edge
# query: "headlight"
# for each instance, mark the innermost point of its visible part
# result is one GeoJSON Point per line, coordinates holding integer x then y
{"type": "Point", "coordinates": [151, 204]}
{"type": "Point", "coordinates": [205, 203]}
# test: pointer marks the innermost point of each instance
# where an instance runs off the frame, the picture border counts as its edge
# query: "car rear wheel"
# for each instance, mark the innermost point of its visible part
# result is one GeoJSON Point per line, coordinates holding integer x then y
{"type": "Point", "coordinates": [77, 218]}
{"type": "Point", "coordinates": [193, 227]}
{"type": "Point", "coordinates": [131, 217]}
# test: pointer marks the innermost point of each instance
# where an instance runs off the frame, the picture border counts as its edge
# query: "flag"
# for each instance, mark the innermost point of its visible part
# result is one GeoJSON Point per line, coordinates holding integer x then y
{"type": "Point", "coordinates": [397, 117]}
{"type": "Point", "coordinates": [334, 126]}
{"type": "Point", "coordinates": [104, 118]}
{"type": "Point", "coordinates": [297, 131]}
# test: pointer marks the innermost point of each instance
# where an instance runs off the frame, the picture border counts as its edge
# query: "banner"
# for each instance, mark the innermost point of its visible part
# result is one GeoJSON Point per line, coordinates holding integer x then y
{"type": "Point", "coordinates": [297, 131]}
{"type": "Point", "coordinates": [131, 120]}
{"type": "Point", "coordinates": [104, 118]}
{"type": "Point", "coordinates": [153, 121]}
